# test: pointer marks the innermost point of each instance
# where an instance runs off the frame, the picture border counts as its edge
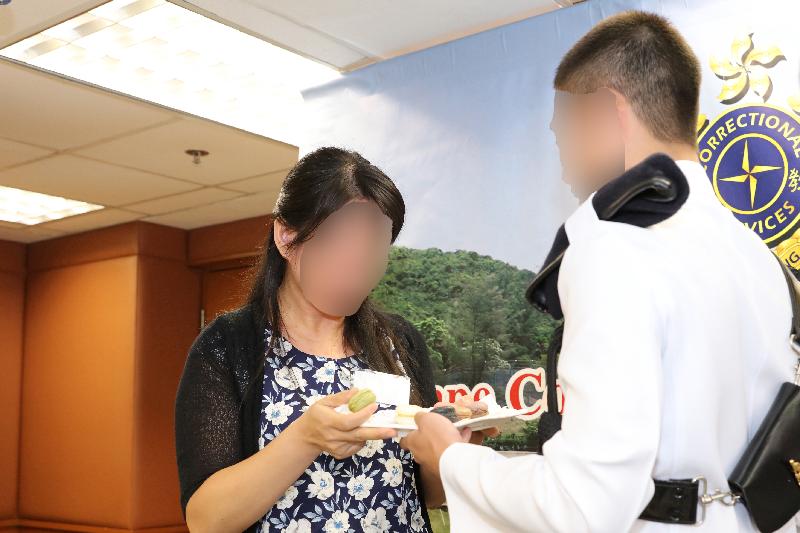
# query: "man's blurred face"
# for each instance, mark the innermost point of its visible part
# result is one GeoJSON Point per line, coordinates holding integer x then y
{"type": "Point", "coordinates": [589, 140]}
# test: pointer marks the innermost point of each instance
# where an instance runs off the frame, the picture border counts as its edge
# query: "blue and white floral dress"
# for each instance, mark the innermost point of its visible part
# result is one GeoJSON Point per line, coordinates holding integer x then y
{"type": "Point", "coordinates": [372, 491]}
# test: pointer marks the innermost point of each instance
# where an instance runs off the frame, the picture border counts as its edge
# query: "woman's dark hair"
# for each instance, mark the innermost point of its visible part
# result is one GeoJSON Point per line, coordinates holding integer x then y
{"type": "Point", "coordinates": [319, 184]}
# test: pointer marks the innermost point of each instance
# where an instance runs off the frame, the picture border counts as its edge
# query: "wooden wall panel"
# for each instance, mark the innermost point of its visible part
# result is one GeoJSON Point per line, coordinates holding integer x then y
{"type": "Point", "coordinates": [106, 243]}
{"type": "Point", "coordinates": [168, 320]}
{"type": "Point", "coordinates": [224, 290]}
{"type": "Point", "coordinates": [105, 319]}
{"type": "Point", "coordinates": [12, 257]}
{"type": "Point", "coordinates": [229, 241]}
{"type": "Point", "coordinates": [77, 402]}
{"type": "Point", "coordinates": [12, 305]}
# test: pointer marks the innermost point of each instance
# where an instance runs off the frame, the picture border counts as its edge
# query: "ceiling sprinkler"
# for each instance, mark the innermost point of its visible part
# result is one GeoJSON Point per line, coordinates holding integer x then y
{"type": "Point", "coordinates": [197, 155]}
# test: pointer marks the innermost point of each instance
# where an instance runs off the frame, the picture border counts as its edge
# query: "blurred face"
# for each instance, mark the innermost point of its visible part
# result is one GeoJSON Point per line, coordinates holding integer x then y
{"type": "Point", "coordinates": [589, 139]}
{"type": "Point", "coordinates": [344, 259]}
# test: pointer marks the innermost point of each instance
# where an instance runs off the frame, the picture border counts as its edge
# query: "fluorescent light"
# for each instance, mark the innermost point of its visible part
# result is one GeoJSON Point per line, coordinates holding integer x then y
{"type": "Point", "coordinates": [30, 208]}
{"type": "Point", "coordinates": [163, 53]}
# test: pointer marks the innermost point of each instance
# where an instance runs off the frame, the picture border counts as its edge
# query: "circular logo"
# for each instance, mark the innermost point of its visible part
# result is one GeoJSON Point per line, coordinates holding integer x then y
{"type": "Point", "coordinates": [752, 157]}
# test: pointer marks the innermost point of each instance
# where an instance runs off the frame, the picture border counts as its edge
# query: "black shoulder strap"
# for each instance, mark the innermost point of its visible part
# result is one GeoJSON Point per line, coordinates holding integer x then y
{"type": "Point", "coordinates": [646, 194]}
{"type": "Point", "coordinates": [795, 302]}
{"type": "Point", "coordinates": [794, 335]}
{"type": "Point", "coordinates": [550, 421]}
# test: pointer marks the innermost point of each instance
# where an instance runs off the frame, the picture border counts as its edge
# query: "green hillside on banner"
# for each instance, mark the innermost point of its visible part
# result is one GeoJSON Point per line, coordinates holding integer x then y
{"type": "Point", "coordinates": [470, 308]}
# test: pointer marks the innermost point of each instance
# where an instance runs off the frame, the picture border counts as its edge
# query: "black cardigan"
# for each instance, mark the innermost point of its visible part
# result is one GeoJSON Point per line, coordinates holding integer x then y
{"type": "Point", "coordinates": [216, 417]}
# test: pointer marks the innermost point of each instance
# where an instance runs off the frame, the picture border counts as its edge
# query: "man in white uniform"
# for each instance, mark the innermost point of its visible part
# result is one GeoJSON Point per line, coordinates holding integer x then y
{"type": "Point", "coordinates": [675, 337]}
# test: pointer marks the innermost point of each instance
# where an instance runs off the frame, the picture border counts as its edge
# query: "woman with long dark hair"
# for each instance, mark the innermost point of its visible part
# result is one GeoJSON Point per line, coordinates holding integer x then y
{"type": "Point", "coordinates": [260, 446]}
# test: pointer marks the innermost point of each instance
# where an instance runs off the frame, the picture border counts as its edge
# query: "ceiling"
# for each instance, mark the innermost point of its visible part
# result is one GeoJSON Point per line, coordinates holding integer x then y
{"type": "Point", "coordinates": [67, 139]}
{"type": "Point", "coordinates": [23, 18]}
{"type": "Point", "coordinates": [64, 138]}
{"type": "Point", "coordinates": [348, 34]}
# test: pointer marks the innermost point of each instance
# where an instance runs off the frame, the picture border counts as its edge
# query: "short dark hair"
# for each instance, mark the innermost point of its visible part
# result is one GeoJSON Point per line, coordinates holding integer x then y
{"type": "Point", "coordinates": [643, 57]}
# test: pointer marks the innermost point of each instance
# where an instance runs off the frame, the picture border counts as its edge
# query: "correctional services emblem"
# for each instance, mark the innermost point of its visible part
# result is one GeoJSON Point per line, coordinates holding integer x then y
{"type": "Point", "coordinates": [751, 152]}
{"type": "Point", "coordinates": [752, 157]}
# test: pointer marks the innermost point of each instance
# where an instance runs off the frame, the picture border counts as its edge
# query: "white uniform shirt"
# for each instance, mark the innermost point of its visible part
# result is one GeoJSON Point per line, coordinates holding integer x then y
{"type": "Point", "coordinates": [675, 345]}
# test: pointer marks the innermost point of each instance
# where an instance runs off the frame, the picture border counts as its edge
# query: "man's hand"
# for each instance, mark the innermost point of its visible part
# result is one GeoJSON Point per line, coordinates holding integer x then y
{"type": "Point", "coordinates": [434, 435]}
{"type": "Point", "coordinates": [479, 436]}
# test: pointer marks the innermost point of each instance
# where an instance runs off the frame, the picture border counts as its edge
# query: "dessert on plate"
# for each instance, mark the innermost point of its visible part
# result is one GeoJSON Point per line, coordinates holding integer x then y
{"type": "Point", "coordinates": [362, 398]}
{"type": "Point", "coordinates": [404, 414]}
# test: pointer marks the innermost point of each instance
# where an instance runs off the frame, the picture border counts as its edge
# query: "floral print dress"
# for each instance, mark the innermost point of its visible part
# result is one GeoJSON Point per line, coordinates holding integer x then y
{"type": "Point", "coordinates": [373, 491]}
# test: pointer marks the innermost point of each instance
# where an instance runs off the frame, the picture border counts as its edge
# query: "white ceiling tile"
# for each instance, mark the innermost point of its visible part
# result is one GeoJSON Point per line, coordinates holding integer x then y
{"type": "Point", "coordinates": [233, 154]}
{"type": "Point", "coordinates": [236, 209]}
{"type": "Point", "coordinates": [90, 181]}
{"type": "Point", "coordinates": [45, 110]}
{"type": "Point", "coordinates": [266, 182]}
{"type": "Point", "coordinates": [14, 153]}
{"type": "Point", "coordinates": [371, 29]}
{"type": "Point", "coordinates": [92, 220]}
{"type": "Point", "coordinates": [186, 200]}
{"type": "Point", "coordinates": [277, 28]}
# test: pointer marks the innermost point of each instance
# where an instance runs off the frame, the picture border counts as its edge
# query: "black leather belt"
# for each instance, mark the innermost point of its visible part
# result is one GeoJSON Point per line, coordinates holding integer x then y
{"type": "Point", "coordinates": [674, 502]}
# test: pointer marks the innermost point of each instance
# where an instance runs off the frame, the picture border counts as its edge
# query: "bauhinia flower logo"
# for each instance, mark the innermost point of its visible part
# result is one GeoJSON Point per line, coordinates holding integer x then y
{"type": "Point", "coordinates": [746, 69]}
{"type": "Point", "coordinates": [794, 103]}
{"type": "Point", "coordinates": [702, 122]}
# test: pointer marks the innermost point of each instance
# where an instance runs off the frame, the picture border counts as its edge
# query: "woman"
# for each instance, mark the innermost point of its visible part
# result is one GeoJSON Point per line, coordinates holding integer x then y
{"type": "Point", "coordinates": [260, 446]}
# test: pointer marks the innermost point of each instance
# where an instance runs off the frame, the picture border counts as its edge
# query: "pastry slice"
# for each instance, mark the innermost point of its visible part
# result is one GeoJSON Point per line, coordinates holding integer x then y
{"type": "Point", "coordinates": [404, 414]}
{"type": "Point", "coordinates": [462, 412]}
{"type": "Point", "coordinates": [447, 411]}
{"type": "Point", "coordinates": [478, 409]}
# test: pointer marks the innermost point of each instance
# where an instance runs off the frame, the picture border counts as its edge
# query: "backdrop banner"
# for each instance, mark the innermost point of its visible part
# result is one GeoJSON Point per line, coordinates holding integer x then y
{"type": "Point", "coordinates": [463, 129]}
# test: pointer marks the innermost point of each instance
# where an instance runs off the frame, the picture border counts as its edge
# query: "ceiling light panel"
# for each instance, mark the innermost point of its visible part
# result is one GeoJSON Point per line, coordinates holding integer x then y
{"type": "Point", "coordinates": [163, 53]}
{"type": "Point", "coordinates": [30, 208]}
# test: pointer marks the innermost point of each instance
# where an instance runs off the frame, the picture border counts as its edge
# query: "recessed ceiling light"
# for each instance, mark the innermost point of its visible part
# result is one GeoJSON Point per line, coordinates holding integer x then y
{"type": "Point", "coordinates": [163, 53]}
{"type": "Point", "coordinates": [30, 208]}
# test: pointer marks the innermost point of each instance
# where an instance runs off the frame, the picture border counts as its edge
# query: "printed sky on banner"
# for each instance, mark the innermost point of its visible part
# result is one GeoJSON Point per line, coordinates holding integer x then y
{"type": "Point", "coordinates": [464, 127]}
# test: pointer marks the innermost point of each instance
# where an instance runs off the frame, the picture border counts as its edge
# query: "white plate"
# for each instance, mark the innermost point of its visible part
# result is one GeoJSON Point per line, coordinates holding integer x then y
{"type": "Point", "coordinates": [402, 429]}
{"type": "Point", "coordinates": [502, 418]}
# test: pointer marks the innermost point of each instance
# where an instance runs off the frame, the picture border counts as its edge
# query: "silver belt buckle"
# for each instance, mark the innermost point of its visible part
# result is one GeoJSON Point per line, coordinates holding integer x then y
{"type": "Point", "coordinates": [705, 499]}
